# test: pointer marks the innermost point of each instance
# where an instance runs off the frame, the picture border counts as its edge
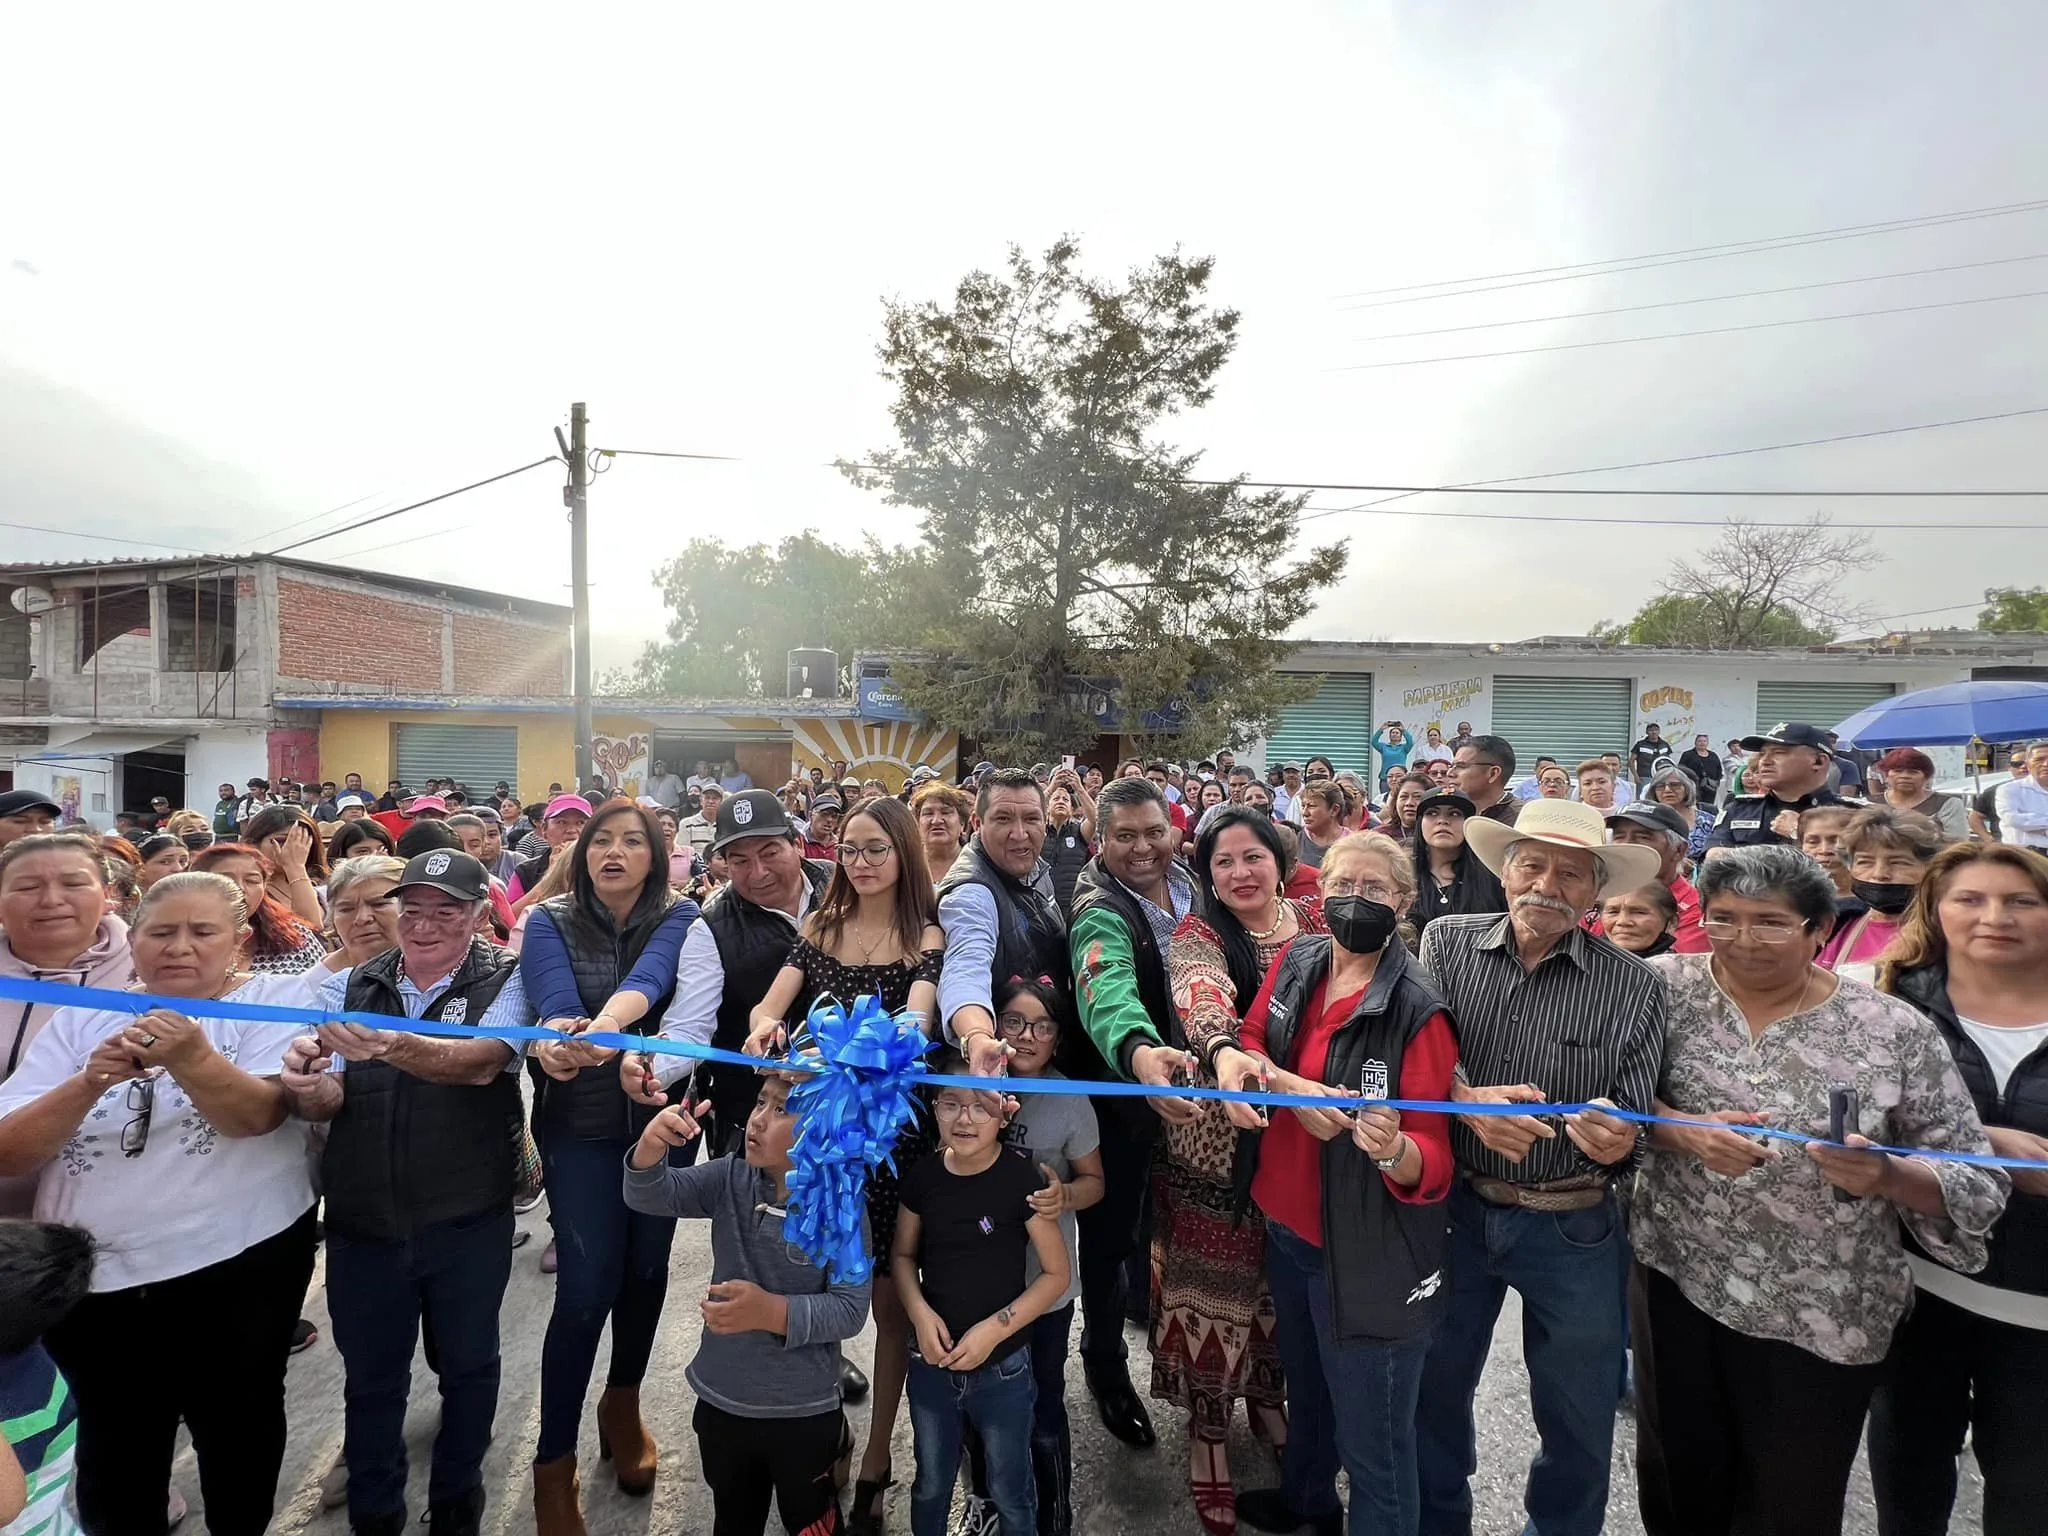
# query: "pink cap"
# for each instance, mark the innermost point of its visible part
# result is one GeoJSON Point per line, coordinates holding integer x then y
{"type": "Point", "coordinates": [561, 805]}
{"type": "Point", "coordinates": [420, 803]}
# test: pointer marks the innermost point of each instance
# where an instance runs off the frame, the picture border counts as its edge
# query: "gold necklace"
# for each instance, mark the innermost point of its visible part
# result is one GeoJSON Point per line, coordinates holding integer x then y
{"type": "Point", "coordinates": [1279, 918]}
{"type": "Point", "coordinates": [867, 950]}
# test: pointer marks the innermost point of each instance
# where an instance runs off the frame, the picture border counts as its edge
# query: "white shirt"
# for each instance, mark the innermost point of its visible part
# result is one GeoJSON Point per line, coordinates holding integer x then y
{"type": "Point", "coordinates": [668, 789]}
{"type": "Point", "coordinates": [700, 989]}
{"type": "Point", "coordinates": [191, 1197]}
{"type": "Point", "coordinates": [1428, 754]}
{"type": "Point", "coordinates": [2023, 813]}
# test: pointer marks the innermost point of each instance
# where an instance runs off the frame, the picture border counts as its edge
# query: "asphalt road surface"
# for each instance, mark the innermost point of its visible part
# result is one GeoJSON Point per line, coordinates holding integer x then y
{"type": "Point", "coordinates": [1116, 1490]}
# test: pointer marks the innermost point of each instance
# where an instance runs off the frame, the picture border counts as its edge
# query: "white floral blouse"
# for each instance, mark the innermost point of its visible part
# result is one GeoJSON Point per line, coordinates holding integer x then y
{"type": "Point", "coordinates": [1772, 1253]}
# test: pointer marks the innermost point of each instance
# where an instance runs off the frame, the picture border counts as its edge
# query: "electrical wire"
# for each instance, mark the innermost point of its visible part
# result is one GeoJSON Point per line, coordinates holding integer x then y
{"type": "Point", "coordinates": [104, 538]}
{"type": "Point", "coordinates": [1712, 298]}
{"type": "Point", "coordinates": [409, 507]}
{"type": "Point", "coordinates": [1719, 330]}
{"type": "Point", "coordinates": [1608, 266]}
{"type": "Point", "coordinates": [1693, 522]}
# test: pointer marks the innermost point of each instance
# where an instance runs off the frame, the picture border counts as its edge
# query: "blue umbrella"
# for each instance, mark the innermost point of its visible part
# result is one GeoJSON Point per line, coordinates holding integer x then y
{"type": "Point", "coordinates": [2004, 709]}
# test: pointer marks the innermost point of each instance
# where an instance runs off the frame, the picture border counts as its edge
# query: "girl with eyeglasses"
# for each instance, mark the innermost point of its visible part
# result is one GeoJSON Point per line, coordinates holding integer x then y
{"type": "Point", "coordinates": [874, 933]}
{"type": "Point", "coordinates": [166, 1137]}
{"type": "Point", "coordinates": [1057, 1133]}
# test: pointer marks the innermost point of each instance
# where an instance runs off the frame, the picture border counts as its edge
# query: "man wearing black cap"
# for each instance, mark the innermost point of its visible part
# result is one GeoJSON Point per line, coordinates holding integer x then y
{"type": "Point", "coordinates": [1789, 765]}
{"type": "Point", "coordinates": [24, 812]}
{"type": "Point", "coordinates": [419, 1170]}
{"type": "Point", "coordinates": [1659, 827]}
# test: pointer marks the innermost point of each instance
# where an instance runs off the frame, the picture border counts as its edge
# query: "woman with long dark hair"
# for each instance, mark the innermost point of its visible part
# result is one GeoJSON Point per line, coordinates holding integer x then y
{"type": "Point", "coordinates": [1448, 875]}
{"type": "Point", "coordinates": [874, 933]}
{"type": "Point", "coordinates": [359, 839]}
{"type": "Point", "coordinates": [287, 837]}
{"type": "Point", "coordinates": [1970, 1358]}
{"type": "Point", "coordinates": [1212, 1316]}
{"type": "Point", "coordinates": [601, 957]}
{"type": "Point", "coordinates": [279, 943]}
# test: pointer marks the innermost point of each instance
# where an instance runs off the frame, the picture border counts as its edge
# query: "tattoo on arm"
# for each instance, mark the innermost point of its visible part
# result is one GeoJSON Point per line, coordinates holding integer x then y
{"type": "Point", "coordinates": [1004, 1315]}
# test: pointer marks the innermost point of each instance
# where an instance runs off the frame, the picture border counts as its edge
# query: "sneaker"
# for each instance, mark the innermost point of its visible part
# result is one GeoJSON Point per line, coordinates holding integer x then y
{"type": "Point", "coordinates": [174, 1509]}
{"type": "Point", "coordinates": [304, 1336]}
{"type": "Point", "coordinates": [521, 1207]}
{"type": "Point", "coordinates": [977, 1517]}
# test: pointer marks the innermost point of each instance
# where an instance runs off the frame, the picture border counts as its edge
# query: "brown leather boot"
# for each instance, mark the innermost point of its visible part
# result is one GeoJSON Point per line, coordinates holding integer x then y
{"type": "Point", "coordinates": [557, 1503]}
{"type": "Point", "coordinates": [622, 1439]}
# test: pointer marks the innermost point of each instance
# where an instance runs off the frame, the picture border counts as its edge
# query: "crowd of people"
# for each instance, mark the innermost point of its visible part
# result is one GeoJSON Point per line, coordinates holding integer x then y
{"type": "Point", "coordinates": [1792, 942]}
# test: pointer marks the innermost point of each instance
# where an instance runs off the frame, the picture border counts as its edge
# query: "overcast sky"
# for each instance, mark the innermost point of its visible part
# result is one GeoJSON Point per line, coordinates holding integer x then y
{"type": "Point", "coordinates": [257, 266]}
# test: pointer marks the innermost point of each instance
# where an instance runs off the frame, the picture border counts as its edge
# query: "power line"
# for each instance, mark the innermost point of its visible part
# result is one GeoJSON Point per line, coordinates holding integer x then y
{"type": "Point", "coordinates": [1608, 266]}
{"type": "Point", "coordinates": [104, 538]}
{"type": "Point", "coordinates": [1697, 458]}
{"type": "Point", "coordinates": [1692, 522]}
{"type": "Point", "coordinates": [655, 453]}
{"type": "Point", "coordinates": [1719, 330]}
{"type": "Point", "coordinates": [1712, 298]}
{"type": "Point", "coordinates": [409, 507]}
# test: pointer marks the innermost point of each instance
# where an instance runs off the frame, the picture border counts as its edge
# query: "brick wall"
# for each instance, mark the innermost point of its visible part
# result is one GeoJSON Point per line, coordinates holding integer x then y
{"type": "Point", "coordinates": [509, 656]}
{"type": "Point", "coordinates": [339, 635]}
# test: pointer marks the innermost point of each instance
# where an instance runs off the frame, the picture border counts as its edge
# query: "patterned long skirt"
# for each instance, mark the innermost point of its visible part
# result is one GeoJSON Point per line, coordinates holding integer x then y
{"type": "Point", "coordinates": [1212, 1314]}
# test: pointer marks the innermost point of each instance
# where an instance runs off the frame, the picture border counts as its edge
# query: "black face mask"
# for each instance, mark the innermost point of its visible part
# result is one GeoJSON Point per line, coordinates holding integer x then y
{"type": "Point", "coordinates": [1359, 923]}
{"type": "Point", "coordinates": [1882, 895]}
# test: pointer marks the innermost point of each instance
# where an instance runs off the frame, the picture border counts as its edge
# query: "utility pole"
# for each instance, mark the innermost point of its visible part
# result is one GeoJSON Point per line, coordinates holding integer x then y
{"type": "Point", "coordinates": [577, 496]}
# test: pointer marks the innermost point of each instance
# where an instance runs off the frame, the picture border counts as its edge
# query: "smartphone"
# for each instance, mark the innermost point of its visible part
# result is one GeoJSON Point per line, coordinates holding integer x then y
{"type": "Point", "coordinates": [1067, 762]}
{"type": "Point", "coordinates": [1844, 1114]}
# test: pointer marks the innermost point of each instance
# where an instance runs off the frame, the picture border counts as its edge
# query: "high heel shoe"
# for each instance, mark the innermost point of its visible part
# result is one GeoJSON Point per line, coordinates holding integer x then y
{"type": "Point", "coordinates": [869, 1508]}
{"type": "Point", "coordinates": [1215, 1498]}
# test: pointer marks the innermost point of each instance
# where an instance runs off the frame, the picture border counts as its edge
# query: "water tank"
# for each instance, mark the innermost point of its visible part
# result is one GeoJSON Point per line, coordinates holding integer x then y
{"type": "Point", "coordinates": [813, 674]}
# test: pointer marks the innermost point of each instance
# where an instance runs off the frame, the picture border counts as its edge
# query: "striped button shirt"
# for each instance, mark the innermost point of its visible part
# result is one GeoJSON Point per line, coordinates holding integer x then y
{"type": "Point", "coordinates": [1587, 1023]}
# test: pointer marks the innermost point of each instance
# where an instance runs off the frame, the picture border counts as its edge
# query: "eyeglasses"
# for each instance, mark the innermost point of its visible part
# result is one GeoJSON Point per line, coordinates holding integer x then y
{"type": "Point", "coordinates": [1371, 890]}
{"type": "Point", "coordinates": [973, 1111]}
{"type": "Point", "coordinates": [1763, 933]}
{"type": "Point", "coordinates": [1014, 1026]}
{"type": "Point", "coordinates": [141, 1098]}
{"type": "Point", "coordinates": [873, 854]}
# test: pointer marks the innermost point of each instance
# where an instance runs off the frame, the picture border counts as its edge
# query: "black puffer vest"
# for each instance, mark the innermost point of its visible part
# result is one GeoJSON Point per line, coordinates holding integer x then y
{"type": "Point", "coordinates": [591, 1106]}
{"type": "Point", "coordinates": [752, 944]}
{"type": "Point", "coordinates": [2019, 1243]}
{"type": "Point", "coordinates": [1031, 934]}
{"type": "Point", "coordinates": [1079, 1057]}
{"type": "Point", "coordinates": [405, 1154]}
{"type": "Point", "coordinates": [1384, 1259]}
{"type": "Point", "coordinates": [1066, 855]}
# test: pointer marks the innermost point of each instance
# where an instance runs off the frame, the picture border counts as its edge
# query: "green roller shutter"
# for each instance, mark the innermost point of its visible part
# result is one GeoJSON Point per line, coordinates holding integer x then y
{"type": "Point", "coordinates": [1568, 718]}
{"type": "Point", "coordinates": [477, 755]}
{"type": "Point", "coordinates": [1336, 723]}
{"type": "Point", "coordinates": [1826, 705]}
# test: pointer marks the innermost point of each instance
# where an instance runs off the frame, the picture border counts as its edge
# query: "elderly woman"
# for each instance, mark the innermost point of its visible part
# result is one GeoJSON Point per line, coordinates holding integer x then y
{"type": "Point", "coordinates": [944, 815]}
{"type": "Point", "coordinates": [1676, 788]}
{"type": "Point", "coordinates": [1553, 783]}
{"type": "Point", "coordinates": [1971, 1359]}
{"type": "Point", "coordinates": [165, 1136]}
{"type": "Point", "coordinates": [1909, 786]}
{"type": "Point", "coordinates": [1212, 1319]}
{"type": "Point", "coordinates": [1353, 1204]}
{"type": "Point", "coordinates": [1770, 1275]}
{"type": "Point", "coordinates": [362, 909]}
{"type": "Point", "coordinates": [54, 926]}
{"type": "Point", "coordinates": [1885, 852]}
{"type": "Point", "coordinates": [1448, 874]}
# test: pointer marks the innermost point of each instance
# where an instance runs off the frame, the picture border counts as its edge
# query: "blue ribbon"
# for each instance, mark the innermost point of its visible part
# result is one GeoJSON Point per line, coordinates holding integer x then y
{"type": "Point", "coordinates": [871, 1047]}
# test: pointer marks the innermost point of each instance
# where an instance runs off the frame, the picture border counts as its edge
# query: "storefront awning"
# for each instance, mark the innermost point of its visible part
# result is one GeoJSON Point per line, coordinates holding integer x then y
{"type": "Point", "coordinates": [100, 744]}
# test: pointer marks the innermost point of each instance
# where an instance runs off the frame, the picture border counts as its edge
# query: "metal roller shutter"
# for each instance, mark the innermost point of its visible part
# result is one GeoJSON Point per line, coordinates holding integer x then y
{"type": "Point", "coordinates": [1568, 718]}
{"type": "Point", "coordinates": [477, 755]}
{"type": "Point", "coordinates": [1336, 723]}
{"type": "Point", "coordinates": [1826, 705]}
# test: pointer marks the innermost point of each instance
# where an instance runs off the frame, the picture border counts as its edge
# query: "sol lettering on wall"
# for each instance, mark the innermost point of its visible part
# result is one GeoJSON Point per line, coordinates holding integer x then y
{"type": "Point", "coordinates": [623, 760]}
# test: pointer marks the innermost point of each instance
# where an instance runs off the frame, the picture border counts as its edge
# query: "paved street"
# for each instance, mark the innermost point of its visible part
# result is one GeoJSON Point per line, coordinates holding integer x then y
{"type": "Point", "coordinates": [1116, 1490]}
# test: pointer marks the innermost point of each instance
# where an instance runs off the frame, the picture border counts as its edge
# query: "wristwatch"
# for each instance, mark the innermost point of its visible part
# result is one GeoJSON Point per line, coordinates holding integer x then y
{"type": "Point", "coordinates": [1389, 1164]}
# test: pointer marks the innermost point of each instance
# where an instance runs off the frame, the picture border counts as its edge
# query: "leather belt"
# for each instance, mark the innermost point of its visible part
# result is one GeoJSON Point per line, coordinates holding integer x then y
{"type": "Point", "coordinates": [1558, 1195]}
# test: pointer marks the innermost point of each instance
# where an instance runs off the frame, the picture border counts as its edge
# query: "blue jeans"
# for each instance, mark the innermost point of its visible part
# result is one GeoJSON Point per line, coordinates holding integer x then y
{"type": "Point", "coordinates": [453, 1276]}
{"type": "Point", "coordinates": [1567, 1268]}
{"type": "Point", "coordinates": [613, 1265]}
{"type": "Point", "coordinates": [1052, 1444]}
{"type": "Point", "coordinates": [997, 1399]}
{"type": "Point", "coordinates": [1352, 1404]}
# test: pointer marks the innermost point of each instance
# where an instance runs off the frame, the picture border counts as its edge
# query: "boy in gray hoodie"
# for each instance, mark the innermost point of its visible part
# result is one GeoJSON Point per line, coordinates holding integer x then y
{"type": "Point", "coordinates": [772, 1324]}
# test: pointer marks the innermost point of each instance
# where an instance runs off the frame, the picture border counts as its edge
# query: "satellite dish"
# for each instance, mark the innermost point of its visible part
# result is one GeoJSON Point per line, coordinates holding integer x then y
{"type": "Point", "coordinates": [32, 600]}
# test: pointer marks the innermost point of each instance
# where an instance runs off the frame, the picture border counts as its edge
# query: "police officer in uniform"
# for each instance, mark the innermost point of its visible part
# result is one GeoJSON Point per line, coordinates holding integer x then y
{"type": "Point", "coordinates": [1790, 763]}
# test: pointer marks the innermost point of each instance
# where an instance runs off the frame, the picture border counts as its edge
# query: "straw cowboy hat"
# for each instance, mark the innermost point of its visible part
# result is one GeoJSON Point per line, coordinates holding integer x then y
{"type": "Point", "coordinates": [1565, 824]}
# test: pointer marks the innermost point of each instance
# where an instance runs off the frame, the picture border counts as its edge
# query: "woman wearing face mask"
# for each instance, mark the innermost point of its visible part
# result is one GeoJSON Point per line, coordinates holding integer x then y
{"type": "Point", "coordinates": [1448, 875]}
{"type": "Point", "coordinates": [1909, 786]}
{"type": "Point", "coordinates": [1212, 1318]}
{"type": "Point", "coordinates": [1354, 1226]}
{"type": "Point", "coordinates": [1886, 852]}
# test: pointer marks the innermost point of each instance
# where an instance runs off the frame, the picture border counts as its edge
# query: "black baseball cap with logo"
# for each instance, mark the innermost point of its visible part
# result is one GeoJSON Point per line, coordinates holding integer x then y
{"type": "Point", "coordinates": [750, 813]}
{"type": "Point", "coordinates": [1651, 813]}
{"type": "Point", "coordinates": [450, 872]}
{"type": "Point", "coordinates": [1789, 733]}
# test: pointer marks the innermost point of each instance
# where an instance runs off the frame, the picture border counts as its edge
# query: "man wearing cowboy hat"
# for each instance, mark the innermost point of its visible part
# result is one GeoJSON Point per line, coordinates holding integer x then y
{"type": "Point", "coordinates": [1546, 1013]}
